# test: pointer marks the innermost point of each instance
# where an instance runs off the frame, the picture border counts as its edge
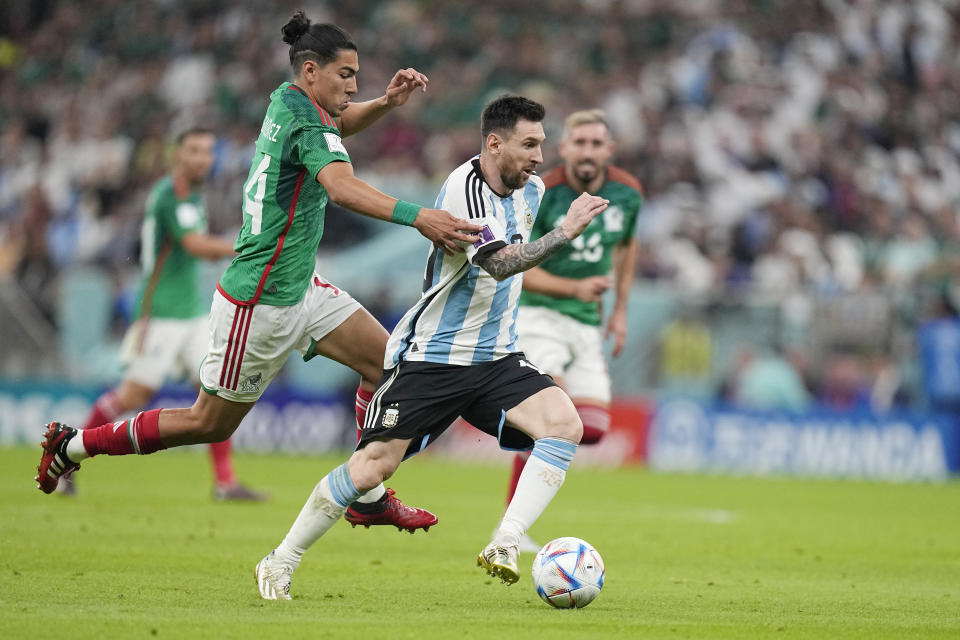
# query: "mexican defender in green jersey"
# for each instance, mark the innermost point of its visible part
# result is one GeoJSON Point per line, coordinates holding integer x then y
{"type": "Point", "coordinates": [168, 288]}
{"type": "Point", "coordinates": [559, 322]}
{"type": "Point", "coordinates": [270, 301]}
{"type": "Point", "coordinates": [169, 336]}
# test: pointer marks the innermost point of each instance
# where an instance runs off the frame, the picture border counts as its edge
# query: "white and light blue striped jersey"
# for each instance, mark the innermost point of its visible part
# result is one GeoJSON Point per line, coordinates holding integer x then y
{"type": "Point", "coordinates": [465, 316]}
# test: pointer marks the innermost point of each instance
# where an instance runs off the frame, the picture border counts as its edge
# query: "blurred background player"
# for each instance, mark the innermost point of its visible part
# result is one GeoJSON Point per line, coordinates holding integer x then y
{"type": "Point", "coordinates": [454, 352]}
{"type": "Point", "coordinates": [270, 301]}
{"type": "Point", "coordinates": [560, 307]}
{"type": "Point", "coordinates": [169, 335]}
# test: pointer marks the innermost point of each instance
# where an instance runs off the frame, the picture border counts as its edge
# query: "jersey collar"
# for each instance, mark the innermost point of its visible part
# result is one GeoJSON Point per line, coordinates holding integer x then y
{"type": "Point", "coordinates": [476, 165]}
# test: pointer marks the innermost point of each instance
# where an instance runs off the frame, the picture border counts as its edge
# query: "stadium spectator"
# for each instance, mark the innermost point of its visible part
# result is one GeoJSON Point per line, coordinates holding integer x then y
{"type": "Point", "coordinates": [846, 109]}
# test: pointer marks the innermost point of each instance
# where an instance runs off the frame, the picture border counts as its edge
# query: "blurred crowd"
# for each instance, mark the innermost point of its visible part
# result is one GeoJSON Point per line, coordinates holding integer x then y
{"type": "Point", "coordinates": [803, 151]}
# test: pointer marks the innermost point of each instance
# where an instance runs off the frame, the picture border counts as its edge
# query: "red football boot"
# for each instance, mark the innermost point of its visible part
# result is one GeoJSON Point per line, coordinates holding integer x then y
{"type": "Point", "coordinates": [54, 462]}
{"type": "Point", "coordinates": [389, 510]}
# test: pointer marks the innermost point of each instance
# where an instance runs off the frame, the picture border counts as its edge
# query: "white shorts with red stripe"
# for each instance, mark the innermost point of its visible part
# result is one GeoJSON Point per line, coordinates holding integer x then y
{"type": "Point", "coordinates": [567, 350]}
{"type": "Point", "coordinates": [249, 344]}
{"type": "Point", "coordinates": [156, 350]}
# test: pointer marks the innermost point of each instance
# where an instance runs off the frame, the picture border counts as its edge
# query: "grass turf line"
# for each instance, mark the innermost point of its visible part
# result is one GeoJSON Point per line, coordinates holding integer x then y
{"type": "Point", "coordinates": [143, 551]}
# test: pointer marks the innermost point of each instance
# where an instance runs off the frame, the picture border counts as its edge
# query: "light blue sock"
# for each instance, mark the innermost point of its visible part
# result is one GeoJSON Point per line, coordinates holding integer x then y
{"type": "Point", "coordinates": [554, 451]}
{"type": "Point", "coordinates": [341, 486]}
{"type": "Point", "coordinates": [540, 480]}
{"type": "Point", "coordinates": [323, 509]}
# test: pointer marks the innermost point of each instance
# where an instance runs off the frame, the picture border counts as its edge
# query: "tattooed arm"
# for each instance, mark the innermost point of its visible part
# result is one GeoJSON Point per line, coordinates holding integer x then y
{"type": "Point", "coordinates": [514, 258]}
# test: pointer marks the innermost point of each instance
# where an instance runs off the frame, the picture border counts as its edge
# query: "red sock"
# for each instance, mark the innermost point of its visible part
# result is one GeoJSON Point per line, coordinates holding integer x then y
{"type": "Point", "coordinates": [363, 401]}
{"type": "Point", "coordinates": [105, 410]}
{"type": "Point", "coordinates": [222, 463]}
{"type": "Point", "coordinates": [596, 421]}
{"type": "Point", "coordinates": [519, 461]}
{"type": "Point", "coordinates": [139, 435]}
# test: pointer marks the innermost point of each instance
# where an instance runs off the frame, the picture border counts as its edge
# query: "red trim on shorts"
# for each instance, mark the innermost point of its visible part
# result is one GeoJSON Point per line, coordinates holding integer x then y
{"type": "Point", "coordinates": [243, 347]}
{"type": "Point", "coordinates": [233, 345]}
{"type": "Point", "coordinates": [325, 285]}
{"type": "Point", "coordinates": [226, 359]}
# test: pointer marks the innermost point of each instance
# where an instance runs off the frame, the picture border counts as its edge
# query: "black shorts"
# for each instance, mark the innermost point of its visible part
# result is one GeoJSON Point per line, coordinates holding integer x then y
{"type": "Point", "coordinates": [419, 400]}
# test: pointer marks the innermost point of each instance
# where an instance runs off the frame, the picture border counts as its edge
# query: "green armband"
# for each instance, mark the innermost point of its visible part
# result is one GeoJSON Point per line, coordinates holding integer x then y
{"type": "Point", "coordinates": [405, 212]}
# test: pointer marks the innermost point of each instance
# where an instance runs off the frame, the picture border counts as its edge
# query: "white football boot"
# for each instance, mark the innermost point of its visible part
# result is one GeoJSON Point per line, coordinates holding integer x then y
{"type": "Point", "coordinates": [273, 578]}
{"type": "Point", "coordinates": [500, 561]}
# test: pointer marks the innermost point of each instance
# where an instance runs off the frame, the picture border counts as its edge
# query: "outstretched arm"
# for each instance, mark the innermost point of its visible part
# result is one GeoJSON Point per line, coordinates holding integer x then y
{"type": "Point", "coordinates": [349, 191]}
{"type": "Point", "coordinates": [514, 258]}
{"type": "Point", "coordinates": [361, 115]}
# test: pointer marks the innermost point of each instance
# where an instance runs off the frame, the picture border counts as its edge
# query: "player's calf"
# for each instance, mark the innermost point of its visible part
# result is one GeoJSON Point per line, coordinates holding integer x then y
{"type": "Point", "coordinates": [595, 418]}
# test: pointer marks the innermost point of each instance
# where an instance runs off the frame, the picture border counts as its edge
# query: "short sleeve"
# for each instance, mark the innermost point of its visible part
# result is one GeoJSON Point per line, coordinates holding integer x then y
{"type": "Point", "coordinates": [317, 146]}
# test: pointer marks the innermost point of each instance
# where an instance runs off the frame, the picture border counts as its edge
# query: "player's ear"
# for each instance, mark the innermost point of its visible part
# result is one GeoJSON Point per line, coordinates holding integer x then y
{"type": "Point", "coordinates": [494, 143]}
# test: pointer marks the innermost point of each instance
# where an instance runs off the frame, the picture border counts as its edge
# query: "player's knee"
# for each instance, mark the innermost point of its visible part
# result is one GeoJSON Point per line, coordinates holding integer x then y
{"type": "Point", "coordinates": [566, 425]}
{"type": "Point", "coordinates": [367, 471]}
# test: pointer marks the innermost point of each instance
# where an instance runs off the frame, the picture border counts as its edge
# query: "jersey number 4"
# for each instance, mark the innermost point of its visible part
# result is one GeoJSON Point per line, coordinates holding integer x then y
{"type": "Point", "coordinates": [253, 203]}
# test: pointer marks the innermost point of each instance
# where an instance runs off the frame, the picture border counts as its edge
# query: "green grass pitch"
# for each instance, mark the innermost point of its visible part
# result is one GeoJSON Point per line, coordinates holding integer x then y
{"type": "Point", "coordinates": [143, 552]}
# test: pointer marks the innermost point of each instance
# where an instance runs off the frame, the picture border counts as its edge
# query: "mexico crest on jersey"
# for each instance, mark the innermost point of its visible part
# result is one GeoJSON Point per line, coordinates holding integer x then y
{"type": "Point", "coordinates": [390, 416]}
{"type": "Point", "coordinates": [613, 219]}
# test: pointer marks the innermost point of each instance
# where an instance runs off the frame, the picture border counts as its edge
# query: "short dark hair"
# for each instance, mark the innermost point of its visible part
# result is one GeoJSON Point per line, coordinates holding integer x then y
{"type": "Point", "coordinates": [192, 131]}
{"type": "Point", "coordinates": [318, 42]}
{"type": "Point", "coordinates": [502, 114]}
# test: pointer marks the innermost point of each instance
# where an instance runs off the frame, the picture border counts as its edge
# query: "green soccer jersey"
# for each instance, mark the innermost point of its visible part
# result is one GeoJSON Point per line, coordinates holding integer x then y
{"type": "Point", "coordinates": [169, 285]}
{"type": "Point", "coordinates": [591, 253]}
{"type": "Point", "coordinates": [283, 204]}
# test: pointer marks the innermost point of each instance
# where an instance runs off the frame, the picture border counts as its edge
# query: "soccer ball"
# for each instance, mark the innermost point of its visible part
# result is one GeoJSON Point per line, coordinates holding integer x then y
{"type": "Point", "coordinates": [568, 573]}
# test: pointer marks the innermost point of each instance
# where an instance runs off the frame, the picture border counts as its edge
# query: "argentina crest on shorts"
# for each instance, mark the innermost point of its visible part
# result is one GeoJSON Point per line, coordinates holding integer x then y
{"type": "Point", "coordinates": [391, 415]}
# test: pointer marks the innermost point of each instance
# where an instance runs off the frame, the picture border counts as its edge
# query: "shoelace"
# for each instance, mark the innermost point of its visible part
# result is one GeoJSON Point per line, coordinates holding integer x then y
{"type": "Point", "coordinates": [278, 578]}
{"type": "Point", "coordinates": [399, 506]}
{"type": "Point", "coordinates": [498, 551]}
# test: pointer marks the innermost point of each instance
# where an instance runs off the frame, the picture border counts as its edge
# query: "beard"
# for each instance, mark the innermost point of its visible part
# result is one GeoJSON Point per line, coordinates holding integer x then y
{"type": "Point", "coordinates": [514, 180]}
{"type": "Point", "coordinates": [585, 171]}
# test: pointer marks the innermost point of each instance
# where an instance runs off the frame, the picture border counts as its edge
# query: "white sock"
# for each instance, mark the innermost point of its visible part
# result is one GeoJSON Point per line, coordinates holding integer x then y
{"type": "Point", "coordinates": [540, 480]}
{"type": "Point", "coordinates": [373, 495]}
{"type": "Point", "coordinates": [323, 509]}
{"type": "Point", "coordinates": [75, 449]}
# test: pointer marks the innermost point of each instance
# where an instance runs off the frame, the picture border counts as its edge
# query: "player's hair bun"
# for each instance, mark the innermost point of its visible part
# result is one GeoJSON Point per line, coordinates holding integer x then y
{"type": "Point", "coordinates": [298, 25]}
